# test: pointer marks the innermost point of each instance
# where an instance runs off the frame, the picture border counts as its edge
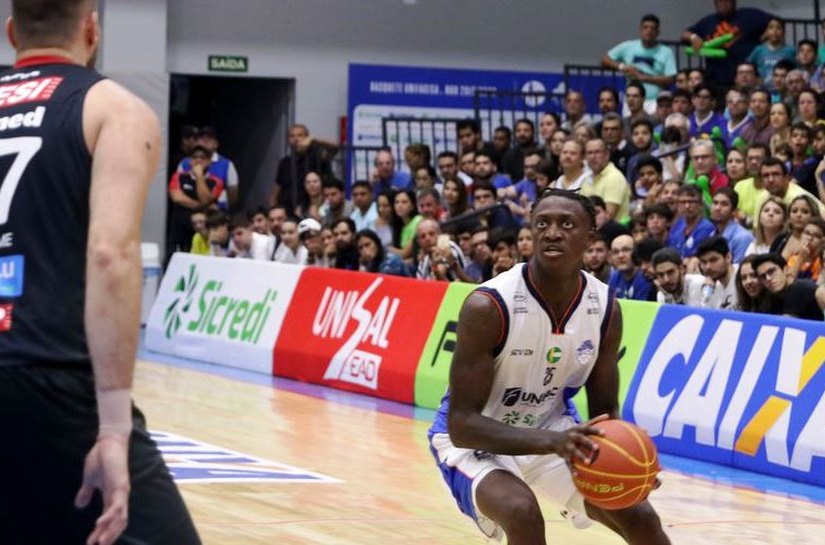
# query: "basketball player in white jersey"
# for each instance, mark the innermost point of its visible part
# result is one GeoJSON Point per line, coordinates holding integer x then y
{"type": "Point", "coordinates": [527, 341]}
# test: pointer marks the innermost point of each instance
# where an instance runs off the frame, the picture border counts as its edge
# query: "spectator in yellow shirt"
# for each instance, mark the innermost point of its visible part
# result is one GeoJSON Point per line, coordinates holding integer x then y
{"type": "Point", "coordinates": [200, 240]}
{"type": "Point", "coordinates": [608, 181]}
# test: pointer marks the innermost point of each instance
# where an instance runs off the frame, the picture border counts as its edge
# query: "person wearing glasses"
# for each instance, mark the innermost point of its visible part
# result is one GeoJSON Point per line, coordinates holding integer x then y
{"type": "Point", "coordinates": [704, 118]}
{"type": "Point", "coordinates": [797, 298]}
{"type": "Point", "coordinates": [691, 227]}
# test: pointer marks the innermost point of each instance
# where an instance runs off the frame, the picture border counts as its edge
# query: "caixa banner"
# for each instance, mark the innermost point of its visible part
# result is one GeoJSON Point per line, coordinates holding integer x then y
{"type": "Point", "coordinates": [360, 332]}
{"type": "Point", "coordinates": [740, 389]}
{"type": "Point", "coordinates": [220, 310]}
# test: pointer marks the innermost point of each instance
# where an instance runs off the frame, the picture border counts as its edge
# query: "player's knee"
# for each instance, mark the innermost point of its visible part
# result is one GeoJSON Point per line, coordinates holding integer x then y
{"type": "Point", "coordinates": [521, 513]}
{"type": "Point", "coordinates": [642, 520]}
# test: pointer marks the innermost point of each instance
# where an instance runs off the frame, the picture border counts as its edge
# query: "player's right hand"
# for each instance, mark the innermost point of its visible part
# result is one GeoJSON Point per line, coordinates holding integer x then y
{"type": "Point", "coordinates": [107, 469]}
{"type": "Point", "coordinates": [574, 445]}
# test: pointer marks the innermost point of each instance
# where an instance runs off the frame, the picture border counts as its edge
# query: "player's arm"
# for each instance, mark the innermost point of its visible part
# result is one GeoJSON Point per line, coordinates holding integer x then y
{"type": "Point", "coordinates": [123, 137]}
{"type": "Point", "coordinates": [177, 196]}
{"type": "Point", "coordinates": [471, 379]}
{"type": "Point", "coordinates": [602, 385]}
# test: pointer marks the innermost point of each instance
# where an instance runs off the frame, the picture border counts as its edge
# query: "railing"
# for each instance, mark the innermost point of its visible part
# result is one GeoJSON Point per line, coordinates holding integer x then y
{"type": "Point", "coordinates": [494, 108]}
{"type": "Point", "coordinates": [800, 29]}
{"type": "Point", "coordinates": [439, 134]}
{"type": "Point", "coordinates": [356, 161]}
{"type": "Point", "coordinates": [683, 60]}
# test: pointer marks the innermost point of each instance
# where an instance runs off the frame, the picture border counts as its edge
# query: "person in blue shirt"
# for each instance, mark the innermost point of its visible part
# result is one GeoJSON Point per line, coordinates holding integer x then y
{"type": "Point", "coordinates": [645, 59]}
{"type": "Point", "coordinates": [722, 215]}
{"type": "Point", "coordinates": [385, 177]}
{"type": "Point", "coordinates": [747, 25]}
{"type": "Point", "coordinates": [691, 227]}
{"type": "Point", "coordinates": [704, 119]}
{"type": "Point", "coordinates": [766, 55]}
{"type": "Point", "coordinates": [627, 281]}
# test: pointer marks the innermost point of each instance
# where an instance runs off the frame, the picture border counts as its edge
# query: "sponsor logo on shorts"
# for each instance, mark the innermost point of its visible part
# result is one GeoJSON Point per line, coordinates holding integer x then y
{"type": "Point", "coordinates": [11, 275]}
{"type": "Point", "coordinates": [192, 461]}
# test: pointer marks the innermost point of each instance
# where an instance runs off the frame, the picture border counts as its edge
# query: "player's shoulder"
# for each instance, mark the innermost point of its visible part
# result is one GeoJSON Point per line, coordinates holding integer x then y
{"type": "Point", "coordinates": [108, 102]}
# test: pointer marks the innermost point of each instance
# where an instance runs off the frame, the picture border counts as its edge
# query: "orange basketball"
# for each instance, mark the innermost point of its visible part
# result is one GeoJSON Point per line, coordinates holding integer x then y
{"type": "Point", "coordinates": [623, 470]}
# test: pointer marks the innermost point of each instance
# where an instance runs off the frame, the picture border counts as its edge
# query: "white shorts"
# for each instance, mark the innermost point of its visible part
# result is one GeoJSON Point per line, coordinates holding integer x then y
{"type": "Point", "coordinates": [548, 476]}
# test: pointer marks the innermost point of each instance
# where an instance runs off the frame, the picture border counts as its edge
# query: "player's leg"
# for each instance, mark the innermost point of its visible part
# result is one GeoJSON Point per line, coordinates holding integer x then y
{"type": "Point", "coordinates": [509, 502]}
{"type": "Point", "coordinates": [638, 525]}
{"type": "Point", "coordinates": [157, 514]}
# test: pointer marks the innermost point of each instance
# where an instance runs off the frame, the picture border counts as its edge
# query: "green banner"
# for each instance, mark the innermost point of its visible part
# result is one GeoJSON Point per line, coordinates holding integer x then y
{"type": "Point", "coordinates": [637, 320]}
{"type": "Point", "coordinates": [433, 373]}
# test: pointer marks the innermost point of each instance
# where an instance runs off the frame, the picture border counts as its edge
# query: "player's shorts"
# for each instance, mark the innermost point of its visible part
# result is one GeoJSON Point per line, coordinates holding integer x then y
{"type": "Point", "coordinates": [547, 475]}
{"type": "Point", "coordinates": [48, 418]}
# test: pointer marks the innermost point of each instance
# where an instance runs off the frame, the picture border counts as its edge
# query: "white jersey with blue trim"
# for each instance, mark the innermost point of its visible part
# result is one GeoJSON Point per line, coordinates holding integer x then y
{"type": "Point", "coordinates": [542, 360]}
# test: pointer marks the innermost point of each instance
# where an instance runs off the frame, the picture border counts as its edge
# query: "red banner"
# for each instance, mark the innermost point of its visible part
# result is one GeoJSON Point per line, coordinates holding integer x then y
{"type": "Point", "coordinates": [356, 331]}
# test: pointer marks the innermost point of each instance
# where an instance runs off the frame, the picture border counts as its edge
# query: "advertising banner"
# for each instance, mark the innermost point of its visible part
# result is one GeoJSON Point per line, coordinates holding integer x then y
{"type": "Point", "coordinates": [433, 374]}
{"type": "Point", "coordinates": [220, 310]}
{"type": "Point", "coordinates": [359, 332]}
{"type": "Point", "coordinates": [740, 389]}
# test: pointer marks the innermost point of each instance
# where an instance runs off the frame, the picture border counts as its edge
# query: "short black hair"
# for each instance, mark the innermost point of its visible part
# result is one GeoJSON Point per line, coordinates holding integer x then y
{"type": "Point", "coordinates": [732, 195]}
{"type": "Point", "coordinates": [784, 64]}
{"type": "Point", "coordinates": [447, 154]}
{"type": "Point", "coordinates": [348, 221]}
{"type": "Point", "coordinates": [659, 208]}
{"type": "Point", "coordinates": [584, 202]}
{"type": "Point", "coordinates": [806, 41]}
{"type": "Point", "coordinates": [638, 85]}
{"type": "Point", "coordinates": [47, 23]}
{"type": "Point", "coordinates": [255, 211]}
{"type": "Point", "coordinates": [598, 202]}
{"type": "Point", "coordinates": [649, 161]}
{"type": "Point", "coordinates": [361, 183]}
{"type": "Point", "coordinates": [684, 93]}
{"type": "Point", "coordinates": [650, 17]}
{"type": "Point", "coordinates": [334, 183]}
{"type": "Point", "coordinates": [504, 129]}
{"type": "Point", "coordinates": [772, 162]}
{"type": "Point", "coordinates": [666, 255]}
{"type": "Point", "coordinates": [761, 259]}
{"type": "Point", "coordinates": [645, 248]}
{"type": "Point", "coordinates": [690, 189]}
{"type": "Point", "coordinates": [762, 90]}
{"type": "Point", "coordinates": [484, 185]}
{"type": "Point", "coordinates": [716, 243]}
{"type": "Point", "coordinates": [240, 220]}
{"type": "Point", "coordinates": [643, 121]}
{"type": "Point", "coordinates": [611, 90]}
{"type": "Point", "coordinates": [499, 235]}
{"type": "Point", "coordinates": [471, 124]}
{"type": "Point", "coordinates": [217, 220]}
{"type": "Point", "coordinates": [525, 121]}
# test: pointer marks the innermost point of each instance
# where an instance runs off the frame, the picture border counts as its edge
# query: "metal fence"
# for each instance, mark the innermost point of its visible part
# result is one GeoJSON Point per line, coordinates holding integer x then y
{"type": "Point", "coordinates": [439, 134]}
{"type": "Point", "coordinates": [801, 29]}
{"type": "Point", "coordinates": [356, 161]}
{"type": "Point", "coordinates": [495, 108]}
{"type": "Point", "coordinates": [683, 60]}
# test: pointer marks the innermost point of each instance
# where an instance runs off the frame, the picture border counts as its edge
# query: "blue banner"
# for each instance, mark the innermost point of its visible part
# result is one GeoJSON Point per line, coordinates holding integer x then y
{"type": "Point", "coordinates": [739, 389]}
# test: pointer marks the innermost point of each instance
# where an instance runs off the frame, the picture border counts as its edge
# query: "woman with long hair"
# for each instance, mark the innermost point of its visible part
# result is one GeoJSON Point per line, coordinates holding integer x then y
{"type": "Point", "coordinates": [773, 215]}
{"type": "Point", "coordinates": [372, 257]}
{"type": "Point", "coordinates": [405, 222]}
{"type": "Point", "coordinates": [454, 194]}
{"type": "Point", "coordinates": [383, 225]}
{"type": "Point", "coordinates": [735, 167]}
{"type": "Point", "coordinates": [524, 243]}
{"type": "Point", "coordinates": [807, 104]}
{"type": "Point", "coordinates": [310, 206]}
{"type": "Point", "coordinates": [800, 212]}
{"type": "Point", "coordinates": [781, 119]}
{"type": "Point", "coordinates": [752, 296]}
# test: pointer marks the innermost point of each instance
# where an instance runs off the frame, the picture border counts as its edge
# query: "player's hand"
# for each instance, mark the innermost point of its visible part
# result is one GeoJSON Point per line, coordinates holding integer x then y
{"type": "Point", "coordinates": [198, 170]}
{"type": "Point", "coordinates": [574, 445]}
{"type": "Point", "coordinates": [107, 469]}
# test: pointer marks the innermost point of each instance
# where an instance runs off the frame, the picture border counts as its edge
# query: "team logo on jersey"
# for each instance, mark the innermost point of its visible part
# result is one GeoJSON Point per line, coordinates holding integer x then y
{"type": "Point", "coordinates": [11, 275]}
{"type": "Point", "coordinates": [585, 352]}
{"type": "Point", "coordinates": [553, 355]}
{"type": "Point", "coordinates": [5, 316]}
{"type": "Point", "coordinates": [193, 461]}
{"type": "Point", "coordinates": [521, 352]}
{"type": "Point", "coordinates": [36, 90]}
{"type": "Point", "coordinates": [185, 287]}
{"type": "Point", "coordinates": [518, 395]}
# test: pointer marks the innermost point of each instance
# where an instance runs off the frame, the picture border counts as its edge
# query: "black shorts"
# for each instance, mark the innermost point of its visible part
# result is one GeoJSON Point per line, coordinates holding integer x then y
{"type": "Point", "coordinates": [48, 422]}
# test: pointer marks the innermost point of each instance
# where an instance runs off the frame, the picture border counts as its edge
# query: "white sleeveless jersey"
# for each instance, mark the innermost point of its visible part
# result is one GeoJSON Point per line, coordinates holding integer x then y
{"type": "Point", "coordinates": [544, 359]}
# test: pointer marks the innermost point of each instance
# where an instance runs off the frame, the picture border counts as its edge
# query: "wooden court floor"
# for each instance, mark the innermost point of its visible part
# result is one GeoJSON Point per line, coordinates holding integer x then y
{"type": "Point", "coordinates": [387, 488]}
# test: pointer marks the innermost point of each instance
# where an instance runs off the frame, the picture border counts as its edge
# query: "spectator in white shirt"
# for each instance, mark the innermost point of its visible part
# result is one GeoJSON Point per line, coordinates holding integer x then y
{"type": "Point", "coordinates": [675, 287]}
{"type": "Point", "coordinates": [364, 210]}
{"type": "Point", "coordinates": [291, 251]}
{"type": "Point", "coordinates": [717, 265]}
{"type": "Point", "coordinates": [246, 243]}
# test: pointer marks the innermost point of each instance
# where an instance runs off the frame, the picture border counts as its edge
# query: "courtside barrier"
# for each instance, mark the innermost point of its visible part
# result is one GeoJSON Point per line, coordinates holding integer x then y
{"type": "Point", "coordinates": [358, 332]}
{"type": "Point", "coordinates": [744, 390]}
{"type": "Point", "coordinates": [225, 311]}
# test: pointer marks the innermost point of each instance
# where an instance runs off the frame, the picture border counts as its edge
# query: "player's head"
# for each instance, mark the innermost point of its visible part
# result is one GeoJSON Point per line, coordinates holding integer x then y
{"type": "Point", "coordinates": [70, 25]}
{"type": "Point", "coordinates": [563, 225]}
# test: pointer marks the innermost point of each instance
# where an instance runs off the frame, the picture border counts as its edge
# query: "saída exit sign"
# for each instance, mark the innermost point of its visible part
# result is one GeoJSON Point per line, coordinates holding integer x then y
{"type": "Point", "coordinates": [228, 63]}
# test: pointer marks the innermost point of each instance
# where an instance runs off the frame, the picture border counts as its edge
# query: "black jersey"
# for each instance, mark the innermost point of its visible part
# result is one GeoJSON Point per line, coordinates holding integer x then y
{"type": "Point", "coordinates": [45, 175]}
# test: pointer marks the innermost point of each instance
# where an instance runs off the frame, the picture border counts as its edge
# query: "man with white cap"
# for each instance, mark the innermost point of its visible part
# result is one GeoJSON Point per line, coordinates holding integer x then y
{"type": "Point", "coordinates": [309, 233]}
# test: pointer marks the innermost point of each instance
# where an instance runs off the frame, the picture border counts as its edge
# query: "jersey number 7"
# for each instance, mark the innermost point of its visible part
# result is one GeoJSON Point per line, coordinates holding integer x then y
{"type": "Point", "coordinates": [25, 148]}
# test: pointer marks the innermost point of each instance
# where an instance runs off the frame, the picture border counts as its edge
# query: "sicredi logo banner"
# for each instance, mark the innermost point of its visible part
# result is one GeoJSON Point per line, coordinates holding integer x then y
{"type": "Point", "coordinates": [743, 390]}
{"type": "Point", "coordinates": [221, 310]}
{"type": "Point", "coordinates": [356, 331]}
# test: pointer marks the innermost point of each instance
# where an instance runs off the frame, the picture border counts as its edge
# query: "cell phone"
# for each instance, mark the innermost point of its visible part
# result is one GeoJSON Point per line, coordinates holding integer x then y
{"type": "Point", "coordinates": [443, 241]}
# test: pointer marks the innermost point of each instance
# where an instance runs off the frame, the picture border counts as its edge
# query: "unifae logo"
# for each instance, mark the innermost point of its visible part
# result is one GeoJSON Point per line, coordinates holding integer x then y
{"type": "Point", "coordinates": [357, 331]}
{"type": "Point", "coordinates": [211, 313]}
{"type": "Point", "coordinates": [337, 309]}
{"type": "Point", "coordinates": [752, 387]}
{"type": "Point", "coordinates": [517, 395]}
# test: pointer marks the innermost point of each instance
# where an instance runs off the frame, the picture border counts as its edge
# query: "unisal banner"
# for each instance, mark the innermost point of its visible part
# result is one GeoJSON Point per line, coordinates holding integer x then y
{"type": "Point", "coordinates": [357, 331]}
{"type": "Point", "coordinates": [745, 390]}
{"type": "Point", "coordinates": [221, 310]}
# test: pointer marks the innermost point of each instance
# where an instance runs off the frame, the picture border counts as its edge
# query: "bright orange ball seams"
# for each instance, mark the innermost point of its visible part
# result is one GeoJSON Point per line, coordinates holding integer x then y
{"type": "Point", "coordinates": [624, 469]}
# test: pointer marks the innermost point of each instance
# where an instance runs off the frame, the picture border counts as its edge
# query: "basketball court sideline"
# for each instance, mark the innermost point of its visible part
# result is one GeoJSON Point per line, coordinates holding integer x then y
{"type": "Point", "coordinates": [261, 460]}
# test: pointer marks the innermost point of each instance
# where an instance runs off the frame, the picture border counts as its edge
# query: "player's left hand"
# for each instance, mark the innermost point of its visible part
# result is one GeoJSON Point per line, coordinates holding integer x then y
{"type": "Point", "coordinates": [107, 469]}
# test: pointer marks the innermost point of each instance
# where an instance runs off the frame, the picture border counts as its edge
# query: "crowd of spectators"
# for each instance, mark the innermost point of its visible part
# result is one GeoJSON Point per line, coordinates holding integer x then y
{"type": "Point", "coordinates": [708, 183]}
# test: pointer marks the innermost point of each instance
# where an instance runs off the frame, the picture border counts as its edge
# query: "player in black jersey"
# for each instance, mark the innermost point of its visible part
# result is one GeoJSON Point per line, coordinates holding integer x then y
{"type": "Point", "coordinates": [77, 153]}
